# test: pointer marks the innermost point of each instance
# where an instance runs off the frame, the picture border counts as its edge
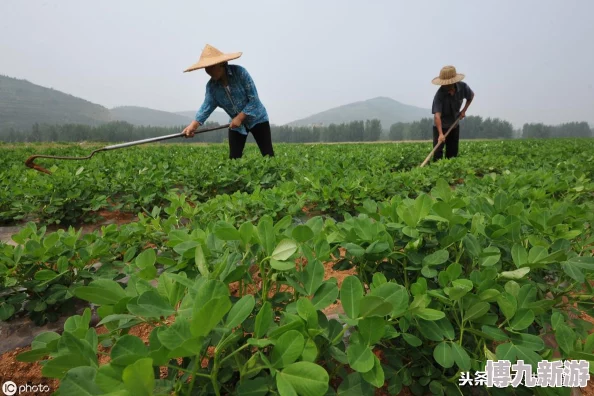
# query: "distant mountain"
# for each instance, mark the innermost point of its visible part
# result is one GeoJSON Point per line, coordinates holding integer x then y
{"type": "Point", "coordinates": [148, 117]}
{"type": "Point", "coordinates": [388, 111]}
{"type": "Point", "coordinates": [218, 116]}
{"type": "Point", "coordinates": [23, 104]}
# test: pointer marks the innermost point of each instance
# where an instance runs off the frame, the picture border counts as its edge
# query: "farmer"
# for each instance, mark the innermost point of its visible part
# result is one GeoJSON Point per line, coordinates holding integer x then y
{"type": "Point", "coordinates": [446, 109]}
{"type": "Point", "coordinates": [231, 87]}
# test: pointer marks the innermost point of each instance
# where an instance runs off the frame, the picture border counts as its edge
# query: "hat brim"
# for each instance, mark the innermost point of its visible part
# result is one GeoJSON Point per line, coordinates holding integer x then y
{"type": "Point", "coordinates": [438, 81]}
{"type": "Point", "coordinates": [213, 61]}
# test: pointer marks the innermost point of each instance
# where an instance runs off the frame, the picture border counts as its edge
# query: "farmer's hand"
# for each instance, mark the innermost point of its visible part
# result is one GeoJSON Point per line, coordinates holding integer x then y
{"type": "Point", "coordinates": [441, 138]}
{"type": "Point", "coordinates": [463, 114]}
{"type": "Point", "coordinates": [236, 122]}
{"type": "Point", "coordinates": [190, 129]}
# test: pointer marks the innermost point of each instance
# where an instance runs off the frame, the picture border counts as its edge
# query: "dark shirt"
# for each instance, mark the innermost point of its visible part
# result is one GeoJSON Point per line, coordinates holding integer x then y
{"type": "Point", "coordinates": [450, 105]}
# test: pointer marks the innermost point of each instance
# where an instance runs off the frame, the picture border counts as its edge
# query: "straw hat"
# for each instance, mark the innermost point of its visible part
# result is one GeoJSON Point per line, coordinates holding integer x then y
{"type": "Point", "coordinates": [212, 56]}
{"type": "Point", "coordinates": [448, 76]}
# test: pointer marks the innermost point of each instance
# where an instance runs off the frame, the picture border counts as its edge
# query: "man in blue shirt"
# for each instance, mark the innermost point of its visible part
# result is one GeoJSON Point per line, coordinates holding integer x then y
{"type": "Point", "coordinates": [446, 109]}
{"type": "Point", "coordinates": [231, 87]}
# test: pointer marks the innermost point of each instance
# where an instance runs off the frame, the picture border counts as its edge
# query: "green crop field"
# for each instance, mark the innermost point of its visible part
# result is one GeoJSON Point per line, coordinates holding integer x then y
{"type": "Point", "coordinates": [484, 257]}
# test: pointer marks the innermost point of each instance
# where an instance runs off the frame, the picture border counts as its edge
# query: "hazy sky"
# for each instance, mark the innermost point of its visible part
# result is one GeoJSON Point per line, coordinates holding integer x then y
{"type": "Point", "coordinates": [527, 61]}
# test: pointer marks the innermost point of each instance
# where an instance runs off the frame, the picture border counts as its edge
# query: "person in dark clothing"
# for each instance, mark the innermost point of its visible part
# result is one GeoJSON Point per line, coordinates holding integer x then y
{"type": "Point", "coordinates": [231, 87]}
{"type": "Point", "coordinates": [446, 109]}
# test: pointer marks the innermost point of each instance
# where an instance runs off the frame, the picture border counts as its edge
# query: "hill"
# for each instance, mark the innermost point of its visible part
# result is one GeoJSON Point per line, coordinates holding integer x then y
{"type": "Point", "coordinates": [148, 117]}
{"type": "Point", "coordinates": [23, 104]}
{"type": "Point", "coordinates": [217, 116]}
{"type": "Point", "coordinates": [387, 110]}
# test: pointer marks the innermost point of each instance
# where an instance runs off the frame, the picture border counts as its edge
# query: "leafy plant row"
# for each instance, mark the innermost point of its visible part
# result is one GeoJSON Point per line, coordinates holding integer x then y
{"type": "Point", "coordinates": [332, 179]}
{"type": "Point", "coordinates": [444, 282]}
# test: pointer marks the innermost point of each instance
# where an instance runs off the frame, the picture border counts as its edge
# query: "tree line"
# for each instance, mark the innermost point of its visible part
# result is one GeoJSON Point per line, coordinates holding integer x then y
{"type": "Point", "coordinates": [473, 127]}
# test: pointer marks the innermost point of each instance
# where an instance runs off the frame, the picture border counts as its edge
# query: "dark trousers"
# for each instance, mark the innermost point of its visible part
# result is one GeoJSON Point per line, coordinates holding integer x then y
{"type": "Point", "coordinates": [262, 135]}
{"type": "Point", "coordinates": [451, 143]}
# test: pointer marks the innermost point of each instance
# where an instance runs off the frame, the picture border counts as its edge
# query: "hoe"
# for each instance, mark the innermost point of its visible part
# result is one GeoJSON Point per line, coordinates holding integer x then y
{"type": "Point", "coordinates": [30, 161]}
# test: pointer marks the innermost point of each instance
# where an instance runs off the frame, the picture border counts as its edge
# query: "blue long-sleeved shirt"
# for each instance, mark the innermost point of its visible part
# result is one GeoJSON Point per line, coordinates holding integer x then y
{"type": "Point", "coordinates": [241, 96]}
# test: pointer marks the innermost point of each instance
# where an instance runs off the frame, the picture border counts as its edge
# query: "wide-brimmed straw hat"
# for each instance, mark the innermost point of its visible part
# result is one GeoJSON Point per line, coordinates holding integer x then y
{"type": "Point", "coordinates": [211, 56]}
{"type": "Point", "coordinates": [448, 76]}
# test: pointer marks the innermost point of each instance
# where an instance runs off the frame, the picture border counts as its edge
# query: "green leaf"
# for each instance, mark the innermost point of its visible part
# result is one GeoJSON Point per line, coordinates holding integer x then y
{"type": "Point", "coordinates": [313, 277]}
{"type": "Point", "coordinates": [175, 335]}
{"type": "Point", "coordinates": [375, 376]}
{"type": "Point", "coordinates": [284, 388]}
{"type": "Point", "coordinates": [371, 330]}
{"type": "Point", "coordinates": [208, 315]}
{"type": "Point", "coordinates": [360, 357]}
{"type": "Point", "coordinates": [582, 262]}
{"type": "Point", "coordinates": [310, 351]}
{"type": "Point", "coordinates": [150, 305]}
{"type": "Point", "coordinates": [443, 355]}
{"type": "Point", "coordinates": [351, 294]}
{"type": "Point", "coordinates": [565, 337]}
{"type": "Point", "coordinates": [146, 259]}
{"type": "Point", "coordinates": [396, 295]}
{"type": "Point", "coordinates": [490, 256]}
{"type": "Point", "coordinates": [506, 351]}
{"type": "Point", "coordinates": [45, 275]}
{"type": "Point", "coordinates": [226, 231]}
{"type": "Point", "coordinates": [495, 333]}
{"type": "Point", "coordinates": [266, 234]}
{"type": "Point", "coordinates": [489, 295]}
{"type": "Point", "coordinates": [460, 357]}
{"type": "Point", "coordinates": [412, 340]}
{"type": "Point", "coordinates": [472, 245]}
{"type": "Point", "coordinates": [246, 231]}
{"type": "Point", "coordinates": [33, 355]}
{"type": "Point", "coordinates": [58, 366]}
{"type": "Point", "coordinates": [282, 265]}
{"type": "Point", "coordinates": [288, 348]}
{"type": "Point", "coordinates": [256, 387]}
{"type": "Point", "coordinates": [101, 292]}
{"type": "Point", "coordinates": [127, 350]}
{"type": "Point", "coordinates": [302, 233]}
{"type": "Point", "coordinates": [519, 255]}
{"type": "Point", "coordinates": [284, 250]}
{"type": "Point", "coordinates": [6, 311]}
{"type": "Point", "coordinates": [325, 295]}
{"type": "Point", "coordinates": [573, 271]}
{"type": "Point", "coordinates": [240, 311]}
{"type": "Point", "coordinates": [507, 304]}
{"type": "Point", "coordinates": [80, 381]}
{"type": "Point", "coordinates": [528, 341]}
{"type": "Point", "coordinates": [201, 261]}
{"type": "Point", "coordinates": [139, 377]}
{"type": "Point", "coordinates": [516, 274]}
{"type": "Point", "coordinates": [373, 306]}
{"type": "Point", "coordinates": [429, 314]}
{"type": "Point", "coordinates": [264, 320]}
{"type": "Point", "coordinates": [436, 258]}
{"type": "Point", "coordinates": [307, 312]}
{"type": "Point", "coordinates": [522, 319]}
{"type": "Point", "coordinates": [305, 378]}
{"type": "Point", "coordinates": [477, 311]}
{"type": "Point", "coordinates": [353, 385]}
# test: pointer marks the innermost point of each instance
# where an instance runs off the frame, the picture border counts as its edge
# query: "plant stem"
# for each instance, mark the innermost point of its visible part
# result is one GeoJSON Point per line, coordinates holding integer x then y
{"type": "Point", "coordinates": [234, 353]}
{"type": "Point", "coordinates": [194, 374]}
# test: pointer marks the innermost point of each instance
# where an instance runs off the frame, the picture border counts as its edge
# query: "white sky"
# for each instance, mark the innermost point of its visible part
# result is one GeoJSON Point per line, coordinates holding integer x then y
{"type": "Point", "coordinates": [527, 61]}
